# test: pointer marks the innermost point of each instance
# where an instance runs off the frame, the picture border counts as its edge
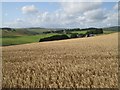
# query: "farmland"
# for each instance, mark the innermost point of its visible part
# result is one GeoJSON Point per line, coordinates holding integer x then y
{"type": "Point", "coordinates": [31, 35]}
{"type": "Point", "coordinates": [75, 63]}
{"type": "Point", "coordinates": [15, 40]}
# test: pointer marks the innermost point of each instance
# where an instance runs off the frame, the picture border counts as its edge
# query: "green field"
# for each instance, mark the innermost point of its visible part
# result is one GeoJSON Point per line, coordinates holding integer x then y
{"type": "Point", "coordinates": [79, 32]}
{"type": "Point", "coordinates": [15, 40]}
{"type": "Point", "coordinates": [22, 36]}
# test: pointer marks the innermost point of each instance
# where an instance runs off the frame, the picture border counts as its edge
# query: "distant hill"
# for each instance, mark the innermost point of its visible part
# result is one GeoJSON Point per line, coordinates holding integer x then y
{"type": "Point", "coordinates": [114, 28]}
{"type": "Point", "coordinates": [38, 30]}
{"type": "Point", "coordinates": [21, 31]}
{"type": "Point", "coordinates": [16, 32]}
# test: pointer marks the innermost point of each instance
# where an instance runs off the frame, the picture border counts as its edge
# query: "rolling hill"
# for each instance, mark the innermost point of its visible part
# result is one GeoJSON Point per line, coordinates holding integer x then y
{"type": "Point", "coordinates": [37, 30]}
{"type": "Point", "coordinates": [114, 28]}
{"type": "Point", "coordinates": [20, 32]}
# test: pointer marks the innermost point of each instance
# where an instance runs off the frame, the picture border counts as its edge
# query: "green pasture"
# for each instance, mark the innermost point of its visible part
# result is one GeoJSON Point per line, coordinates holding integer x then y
{"type": "Point", "coordinates": [15, 40]}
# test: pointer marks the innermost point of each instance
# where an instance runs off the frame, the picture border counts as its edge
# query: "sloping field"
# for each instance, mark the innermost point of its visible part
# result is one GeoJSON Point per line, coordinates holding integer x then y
{"type": "Point", "coordinates": [81, 63]}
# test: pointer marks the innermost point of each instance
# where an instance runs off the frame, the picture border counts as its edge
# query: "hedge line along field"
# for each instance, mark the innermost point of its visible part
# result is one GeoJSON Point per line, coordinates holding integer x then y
{"type": "Point", "coordinates": [75, 63]}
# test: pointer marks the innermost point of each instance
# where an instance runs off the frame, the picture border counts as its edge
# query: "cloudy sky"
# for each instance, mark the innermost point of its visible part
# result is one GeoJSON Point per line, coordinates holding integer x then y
{"type": "Point", "coordinates": [59, 14]}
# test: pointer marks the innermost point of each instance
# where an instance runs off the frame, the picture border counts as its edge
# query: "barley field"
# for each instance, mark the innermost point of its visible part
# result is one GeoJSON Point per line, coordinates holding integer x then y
{"type": "Point", "coordinates": [75, 63]}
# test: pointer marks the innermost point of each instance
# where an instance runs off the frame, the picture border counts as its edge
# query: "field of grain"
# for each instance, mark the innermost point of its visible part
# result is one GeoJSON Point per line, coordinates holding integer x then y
{"type": "Point", "coordinates": [80, 63]}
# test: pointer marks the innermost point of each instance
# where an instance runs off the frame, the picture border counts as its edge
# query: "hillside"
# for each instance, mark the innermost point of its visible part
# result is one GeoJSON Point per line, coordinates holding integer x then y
{"type": "Point", "coordinates": [18, 32]}
{"type": "Point", "coordinates": [111, 29]}
{"type": "Point", "coordinates": [74, 63]}
{"type": "Point", "coordinates": [38, 30]}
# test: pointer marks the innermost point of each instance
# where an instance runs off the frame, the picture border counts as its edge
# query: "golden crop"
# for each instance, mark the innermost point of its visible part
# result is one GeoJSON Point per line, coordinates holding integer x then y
{"type": "Point", "coordinates": [80, 63]}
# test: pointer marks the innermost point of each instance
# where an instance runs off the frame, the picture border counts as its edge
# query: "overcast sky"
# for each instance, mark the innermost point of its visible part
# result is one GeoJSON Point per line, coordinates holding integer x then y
{"type": "Point", "coordinates": [59, 14]}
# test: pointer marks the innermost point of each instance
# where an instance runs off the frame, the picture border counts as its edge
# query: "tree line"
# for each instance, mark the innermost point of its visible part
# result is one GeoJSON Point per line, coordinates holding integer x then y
{"type": "Point", "coordinates": [88, 33]}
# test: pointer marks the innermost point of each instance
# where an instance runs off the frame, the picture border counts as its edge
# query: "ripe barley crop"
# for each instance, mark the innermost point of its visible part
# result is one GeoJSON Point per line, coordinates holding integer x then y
{"type": "Point", "coordinates": [79, 63]}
